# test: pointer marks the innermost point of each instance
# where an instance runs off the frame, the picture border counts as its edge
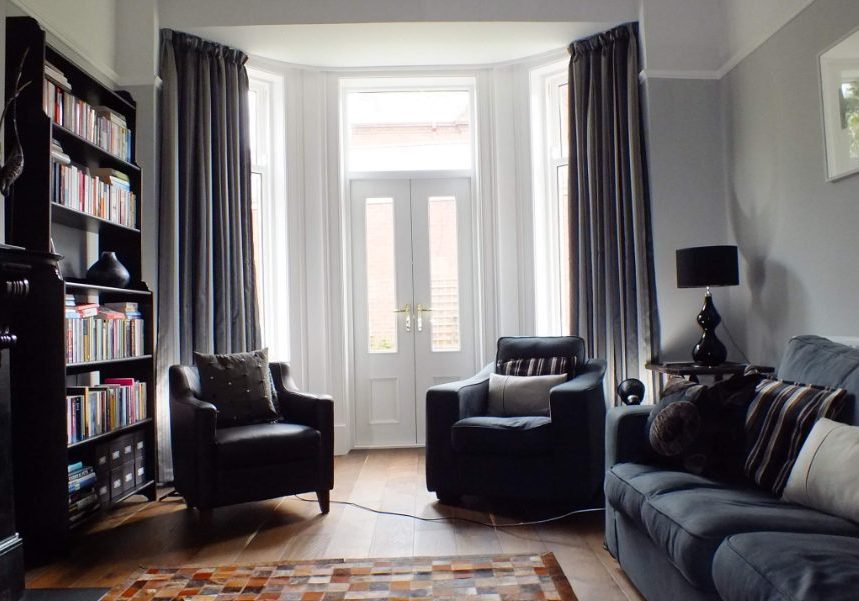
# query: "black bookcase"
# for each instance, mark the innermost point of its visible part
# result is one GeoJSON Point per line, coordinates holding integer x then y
{"type": "Point", "coordinates": [125, 459]}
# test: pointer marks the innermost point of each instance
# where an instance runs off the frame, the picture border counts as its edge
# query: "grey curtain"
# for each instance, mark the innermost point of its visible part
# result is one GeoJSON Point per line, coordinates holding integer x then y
{"type": "Point", "coordinates": [613, 303]}
{"type": "Point", "coordinates": [207, 298]}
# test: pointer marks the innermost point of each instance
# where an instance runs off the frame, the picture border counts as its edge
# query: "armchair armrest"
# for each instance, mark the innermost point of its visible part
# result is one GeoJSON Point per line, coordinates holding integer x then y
{"type": "Point", "coordinates": [192, 432]}
{"type": "Point", "coordinates": [446, 404]}
{"type": "Point", "coordinates": [626, 435]}
{"type": "Point", "coordinates": [313, 410]}
{"type": "Point", "coordinates": [578, 413]}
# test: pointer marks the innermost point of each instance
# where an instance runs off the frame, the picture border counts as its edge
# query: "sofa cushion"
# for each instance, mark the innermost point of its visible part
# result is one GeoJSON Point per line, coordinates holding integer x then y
{"type": "Point", "coordinates": [518, 436]}
{"type": "Point", "coordinates": [820, 361]}
{"type": "Point", "coordinates": [806, 567]}
{"type": "Point", "coordinates": [628, 485]}
{"type": "Point", "coordinates": [512, 396]}
{"type": "Point", "coordinates": [689, 525]}
{"type": "Point", "coordinates": [779, 420]}
{"type": "Point", "coordinates": [265, 444]}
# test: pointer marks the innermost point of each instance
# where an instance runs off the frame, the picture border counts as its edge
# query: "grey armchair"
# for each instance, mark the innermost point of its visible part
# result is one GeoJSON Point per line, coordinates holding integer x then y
{"type": "Point", "coordinates": [221, 466]}
{"type": "Point", "coordinates": [555, 458]}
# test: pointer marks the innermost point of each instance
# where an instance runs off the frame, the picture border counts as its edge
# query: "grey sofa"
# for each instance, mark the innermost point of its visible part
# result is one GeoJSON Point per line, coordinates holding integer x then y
{"type": "Point", "coordinates": [680, 536]}
{"type": "Point", "coordinates": [220, 466]}
{"type": "Point", "coordinates": [555, 458]}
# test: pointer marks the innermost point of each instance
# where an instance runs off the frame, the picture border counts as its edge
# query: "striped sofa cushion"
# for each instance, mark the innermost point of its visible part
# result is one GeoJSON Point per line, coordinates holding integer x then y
{"type": "Point", "coordinates": [537, 366]}
{"type": "Point", "coordinates": [779, 419]}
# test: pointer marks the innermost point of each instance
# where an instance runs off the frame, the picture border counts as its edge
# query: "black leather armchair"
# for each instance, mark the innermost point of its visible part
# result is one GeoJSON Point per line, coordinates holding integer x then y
{"type": "Point", "coordinates": [559, 458]}
{"type": "Point", "coordinates": [214, 466]}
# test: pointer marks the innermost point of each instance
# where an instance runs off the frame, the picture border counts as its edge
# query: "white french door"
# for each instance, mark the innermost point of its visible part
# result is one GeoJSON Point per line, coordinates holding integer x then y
{"type": "Point", "coordinates": [413, 314]}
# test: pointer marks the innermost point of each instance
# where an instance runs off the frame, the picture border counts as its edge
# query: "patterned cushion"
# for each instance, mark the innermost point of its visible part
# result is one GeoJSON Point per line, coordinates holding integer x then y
{"type": "Point", "coordinates": [537, 366]}
{"type": "Point", "coordinates": [700, 428]}
{"type": "Point", "coordinates": [779, 420]}
{"type": "Point", "coordinates": [239, 386]}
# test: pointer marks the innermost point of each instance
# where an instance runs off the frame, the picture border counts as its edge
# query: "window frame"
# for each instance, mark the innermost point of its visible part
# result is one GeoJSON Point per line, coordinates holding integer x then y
{"type": "Point", "coordinates": [551, 301]}
{"type": "Point", "coordinates": [272, 260]}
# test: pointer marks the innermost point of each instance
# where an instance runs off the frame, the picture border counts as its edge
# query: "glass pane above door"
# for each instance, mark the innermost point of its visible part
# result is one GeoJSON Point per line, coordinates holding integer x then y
{"type": "Point", "coordinates": [381, 275]}
{"type": "Point", "coordinates": [409, 130]}
{"type": "Point", "coordinates": [444, 274]}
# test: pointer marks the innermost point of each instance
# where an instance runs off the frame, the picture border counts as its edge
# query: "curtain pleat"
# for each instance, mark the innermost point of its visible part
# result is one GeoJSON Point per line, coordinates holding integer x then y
{"type": "Point", "coordinates": [207, 298]}
{"type": "Point", "coordinates": [613, 302]}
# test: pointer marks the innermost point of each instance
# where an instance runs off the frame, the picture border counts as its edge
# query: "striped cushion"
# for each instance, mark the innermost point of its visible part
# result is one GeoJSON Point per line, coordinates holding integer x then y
{"type": "Point", "coordinates": [778, 421]}
{"type": "Point", "coordinates": [537, 366]}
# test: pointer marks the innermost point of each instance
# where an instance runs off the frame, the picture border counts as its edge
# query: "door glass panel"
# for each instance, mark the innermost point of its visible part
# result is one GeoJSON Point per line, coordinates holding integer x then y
{"type": "Point", "coordinates": [381, 275]}
{"type": "Point", "coordinates": [444, 274]}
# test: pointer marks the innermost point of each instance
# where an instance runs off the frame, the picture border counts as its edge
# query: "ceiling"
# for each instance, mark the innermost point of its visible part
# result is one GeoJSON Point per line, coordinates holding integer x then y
{"type": "Point", "coordinates": [349, 45]}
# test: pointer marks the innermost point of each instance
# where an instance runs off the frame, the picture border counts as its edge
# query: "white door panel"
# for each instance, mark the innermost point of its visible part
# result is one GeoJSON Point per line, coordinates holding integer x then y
{"type": "Point", "coordinates": [411, 243]}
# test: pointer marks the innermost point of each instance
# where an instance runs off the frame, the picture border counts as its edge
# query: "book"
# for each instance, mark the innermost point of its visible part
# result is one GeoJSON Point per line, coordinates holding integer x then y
{"type": "Point", "coordinates": [111, 115]}
{"type": "Point", "coordinates": [86, 501]}
{"type": "Point", "coordinates": [73, 467]}
{"type": "Point", "coordinates": [81, 483]}
{"type": "Point", "coordinates": [126, 307]}
{"type": "Point", "coordinates": [88, 310]}
{"type": "Point", "coordinates": [83, 514]}
{"type": "Point", "coordinates": [81, 473]}
{"type": "Point", "coordinates": [105, 313]}
{"type": "Point", "coordinates": [58, 155]}
{"type": "Point", "coordinates": [120, 381]}
{"type": "Point", "coordinates": [57, 76]}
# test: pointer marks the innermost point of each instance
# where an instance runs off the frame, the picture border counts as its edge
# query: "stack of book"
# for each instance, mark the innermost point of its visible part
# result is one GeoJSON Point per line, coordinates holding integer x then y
{"type": "Point", "coordinates": [94, 410]}
{"type": "Point", "coordinates": [99, 333]}
{"type": "Point", "coordinates": [99, 125]}
{"type": "Point", "coordinates": [102, 192]}
{"type": "Point", "coordinates": [83, 499]}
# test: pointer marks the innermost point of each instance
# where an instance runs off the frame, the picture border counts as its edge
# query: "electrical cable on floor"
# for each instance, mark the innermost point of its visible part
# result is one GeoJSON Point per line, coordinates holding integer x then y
{"type": "Point", "coordinates": [455, 518]}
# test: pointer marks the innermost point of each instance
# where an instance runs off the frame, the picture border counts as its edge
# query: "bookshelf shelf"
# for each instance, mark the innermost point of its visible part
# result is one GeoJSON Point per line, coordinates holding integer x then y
{"type": "Point", "coordinates": [84, 221]}
{"type": "Point", "coordinates": [70, 139]}
{"type": "Point", "coordinates": [112, 434]}
{"type": "Point", "coordinates": [79, 286]}
{"type": "Point", "coordinates": [78, 368]}
{"type": "Point", "coordinates": [60, 399]}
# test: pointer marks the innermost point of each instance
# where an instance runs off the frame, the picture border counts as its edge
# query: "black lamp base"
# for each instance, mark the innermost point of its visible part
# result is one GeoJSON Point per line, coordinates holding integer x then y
{"type": "Point", "coordinates": [709, 350]}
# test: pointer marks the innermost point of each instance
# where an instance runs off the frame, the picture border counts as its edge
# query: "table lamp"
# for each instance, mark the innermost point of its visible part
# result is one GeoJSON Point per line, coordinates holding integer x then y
{"type": "Point", "coordinates": [703, 267]}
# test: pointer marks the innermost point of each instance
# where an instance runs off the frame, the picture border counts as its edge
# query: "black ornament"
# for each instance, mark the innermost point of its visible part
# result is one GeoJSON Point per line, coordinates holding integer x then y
{"type": "Point", "coordinates": [108, 271]}
{"type": "Point", "coordinates": [709, 350]}
{"type": "Point", "coordinates": [631, 391]}
{"type": "Point", "coordinates": [14, 166]}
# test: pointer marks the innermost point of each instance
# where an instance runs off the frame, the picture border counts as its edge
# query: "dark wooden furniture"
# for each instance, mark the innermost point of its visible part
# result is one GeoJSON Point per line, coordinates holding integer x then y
{"type": "Point", "coordinates": [15, 268]}
{"type": "Point", "coordinates": [693, 371]}
{"type": "Point", "coordinates": [40, 373]}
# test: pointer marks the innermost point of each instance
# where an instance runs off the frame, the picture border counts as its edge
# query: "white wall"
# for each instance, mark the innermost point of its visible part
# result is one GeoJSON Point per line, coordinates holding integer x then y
{"type": "Point", "coordinates": [751, 23]}
{"type": "Point", "coordinates": [201, 13]}
{"type": "Point", "coordinates": [85, 26]}
{"type": "Point", "coordinates": [796, 231]}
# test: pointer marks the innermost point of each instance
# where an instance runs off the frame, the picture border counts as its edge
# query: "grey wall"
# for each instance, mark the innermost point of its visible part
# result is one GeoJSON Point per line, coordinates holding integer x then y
{"type": "Point", "coordinates": [685, 149]}
{"type": "Point", "coordinates": [797, 232]}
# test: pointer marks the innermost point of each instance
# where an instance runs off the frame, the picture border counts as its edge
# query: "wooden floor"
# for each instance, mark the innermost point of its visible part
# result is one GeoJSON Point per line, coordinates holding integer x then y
{"type": "Point", "coordinates": [164, 533]}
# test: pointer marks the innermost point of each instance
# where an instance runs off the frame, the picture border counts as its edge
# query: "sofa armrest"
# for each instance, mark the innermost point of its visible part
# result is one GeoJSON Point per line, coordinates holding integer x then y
{"type": "Point", "coordinates": [312, 410]}
{"type": "Point", "coordinates": [626, 435]}
{"type": "Point", "coordinates": [578, 429]}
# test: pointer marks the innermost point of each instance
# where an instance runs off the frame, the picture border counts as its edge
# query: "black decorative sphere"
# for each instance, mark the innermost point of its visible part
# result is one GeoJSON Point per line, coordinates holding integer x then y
{"type": "Point", "coordinates": [631, 391]}
{"type": "Point", "coordinates": [108, 271]}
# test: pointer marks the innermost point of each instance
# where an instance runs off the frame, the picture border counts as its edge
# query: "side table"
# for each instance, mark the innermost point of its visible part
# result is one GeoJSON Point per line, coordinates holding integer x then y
{"type": "Point", "coordinates": [693, 371]}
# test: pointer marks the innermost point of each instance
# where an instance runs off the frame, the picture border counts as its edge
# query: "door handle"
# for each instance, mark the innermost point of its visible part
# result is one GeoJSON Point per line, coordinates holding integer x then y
{"type": "Point", "coordinates": [421, 310]}
{"type": "Point", "coordinates": [407, 309]}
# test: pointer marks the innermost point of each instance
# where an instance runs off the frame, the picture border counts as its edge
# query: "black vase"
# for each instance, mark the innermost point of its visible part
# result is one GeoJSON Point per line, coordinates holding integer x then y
{"type": "Point", "coordinates": [108, 271]}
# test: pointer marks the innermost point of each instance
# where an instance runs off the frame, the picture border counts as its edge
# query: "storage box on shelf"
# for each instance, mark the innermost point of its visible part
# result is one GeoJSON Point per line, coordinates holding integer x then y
{"type": "Point", "coordinates": [90, 390]}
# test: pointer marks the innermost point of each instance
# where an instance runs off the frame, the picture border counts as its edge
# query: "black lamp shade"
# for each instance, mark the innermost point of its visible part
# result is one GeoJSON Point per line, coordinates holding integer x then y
{"type": "Point", "coordinates": [702, 266]}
